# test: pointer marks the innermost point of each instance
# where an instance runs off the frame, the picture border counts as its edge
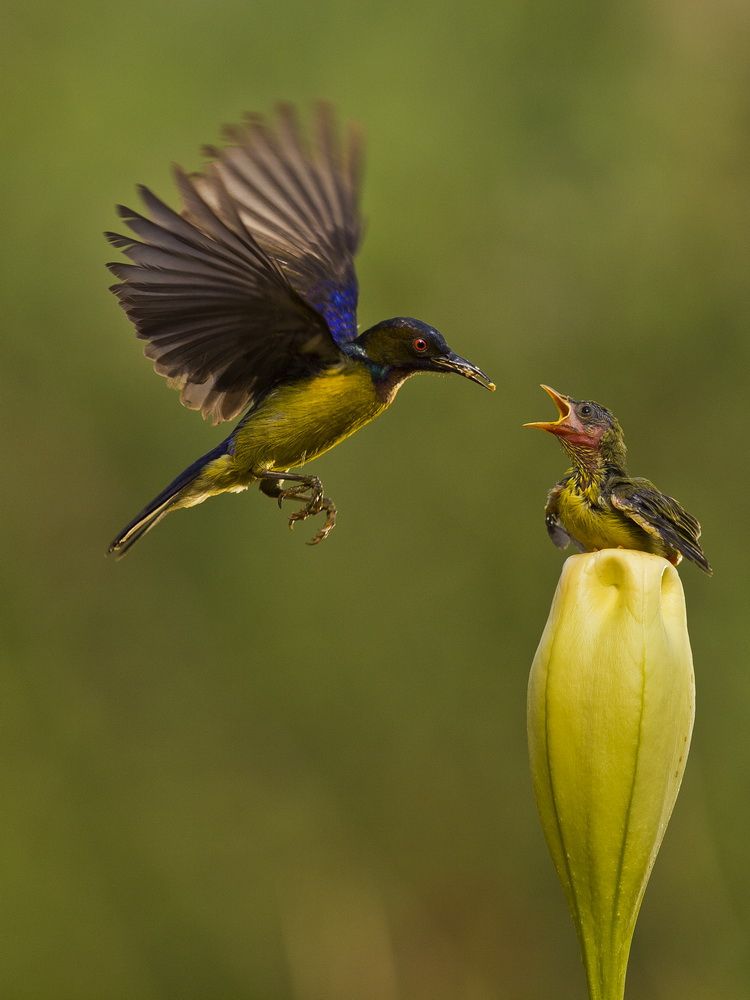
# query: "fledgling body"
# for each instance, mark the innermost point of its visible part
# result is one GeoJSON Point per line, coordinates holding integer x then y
{"type": "Point", "coordinates": [247, 301]}
{"type": "Point", "coordinates": [597, 505]}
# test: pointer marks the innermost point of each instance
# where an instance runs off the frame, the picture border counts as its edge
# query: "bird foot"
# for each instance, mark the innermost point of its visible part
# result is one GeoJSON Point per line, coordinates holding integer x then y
{"type": "Point", "coordinates": [313, 486]}
{"type": "Point", "coordinates": [310, 493]}
{"type": "Point", "coordinates": [325, 505]}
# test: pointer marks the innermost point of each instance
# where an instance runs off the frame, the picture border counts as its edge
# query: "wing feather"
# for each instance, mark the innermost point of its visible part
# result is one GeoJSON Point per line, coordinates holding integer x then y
{"type": "Point", "coordinates": [221, 321]}
{"type": "Point", "coordinates": [253, 282]}
{"type": "Point", "coordinates": [301, 203]}
{"type": "Point", "coordinates": [661, 516]}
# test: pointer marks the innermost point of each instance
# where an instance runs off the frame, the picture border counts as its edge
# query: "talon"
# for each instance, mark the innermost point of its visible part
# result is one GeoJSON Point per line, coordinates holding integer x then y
{"type": "Point", "coordinates": [303, 513]}
{"type": "Point", "coordinates": [297, 493]}
{"type": "Point", "coordinates": [329, 507]}
{"type": "Point", "coordinates": [309, 493]}
{"type": "Point", "coordinates": [316, 492]}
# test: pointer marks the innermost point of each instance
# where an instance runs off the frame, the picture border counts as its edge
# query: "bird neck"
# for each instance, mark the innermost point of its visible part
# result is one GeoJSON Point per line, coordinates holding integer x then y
{"type": "Point", "coordinates": [591, 467]}
{"type": "Point", "coordinates": [588, 470]}
{"type": "Point", "coordinates": [387, 379]}
{"type": "Point", "coordinates": [604, 458]}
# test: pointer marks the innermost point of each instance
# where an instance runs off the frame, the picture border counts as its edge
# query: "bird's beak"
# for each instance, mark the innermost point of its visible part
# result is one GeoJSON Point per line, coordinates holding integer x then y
{"type": "Point", "coordinates": [562, 424]}
{"type": "Point", "coordinates": [453, 363]}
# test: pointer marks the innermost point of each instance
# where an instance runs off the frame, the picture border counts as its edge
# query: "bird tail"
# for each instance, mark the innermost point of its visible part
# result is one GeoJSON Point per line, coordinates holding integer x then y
{"type": "Point", "coordinates": [160, 506]}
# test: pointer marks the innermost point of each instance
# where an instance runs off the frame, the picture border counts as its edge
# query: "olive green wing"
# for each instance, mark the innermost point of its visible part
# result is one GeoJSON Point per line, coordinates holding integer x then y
{"type": "Point", "coordinates": [552, 522]}
{"type": "Point", "coordinates": [661, 516]}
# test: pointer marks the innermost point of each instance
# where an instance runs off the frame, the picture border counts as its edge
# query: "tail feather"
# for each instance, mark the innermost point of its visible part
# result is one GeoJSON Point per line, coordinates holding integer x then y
{"type": "Point", "coordinates": [153, 512]}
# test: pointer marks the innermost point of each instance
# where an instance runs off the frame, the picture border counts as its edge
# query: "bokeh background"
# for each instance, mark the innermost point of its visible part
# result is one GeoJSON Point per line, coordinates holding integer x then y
{"type": "Point", "coordinates": [236, 767]}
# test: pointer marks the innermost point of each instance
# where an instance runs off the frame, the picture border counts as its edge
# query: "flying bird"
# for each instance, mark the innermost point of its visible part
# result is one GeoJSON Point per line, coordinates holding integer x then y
{"type": "Point", "coordinates": [247, 300]}
{"type": "Point", "coordinates": [597, 505]}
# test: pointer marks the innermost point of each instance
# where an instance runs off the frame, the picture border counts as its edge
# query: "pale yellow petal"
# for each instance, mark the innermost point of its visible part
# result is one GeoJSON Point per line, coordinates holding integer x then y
{"type": "Point", "coordinates": [610, 714]}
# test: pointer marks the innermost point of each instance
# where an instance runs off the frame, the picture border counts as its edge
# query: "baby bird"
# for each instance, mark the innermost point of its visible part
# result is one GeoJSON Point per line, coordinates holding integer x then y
{"type": "Point", "coordinates": [246, 300]}
{"type": "Point", "coordinates": [597, 505]}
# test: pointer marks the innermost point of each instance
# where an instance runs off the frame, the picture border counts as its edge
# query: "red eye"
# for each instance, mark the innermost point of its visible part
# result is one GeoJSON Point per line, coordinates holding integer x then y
{"type": "Point", "coordinates": [420, 344]}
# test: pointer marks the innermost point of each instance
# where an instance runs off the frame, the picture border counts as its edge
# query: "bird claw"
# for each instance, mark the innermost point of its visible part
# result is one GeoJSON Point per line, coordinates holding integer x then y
{"type": "Point", "coordinates": [317, 505]}
{"type": "Point", "coordinates": [310, 493]}
{"type": "Point", "coordinates": [313, 484]}
{"type": "Point", "coordinates": [328, 506]}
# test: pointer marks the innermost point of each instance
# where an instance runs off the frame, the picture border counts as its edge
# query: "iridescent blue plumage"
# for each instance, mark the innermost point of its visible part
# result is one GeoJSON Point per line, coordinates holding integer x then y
{"type": "Point", "coordinates": [338, 306]}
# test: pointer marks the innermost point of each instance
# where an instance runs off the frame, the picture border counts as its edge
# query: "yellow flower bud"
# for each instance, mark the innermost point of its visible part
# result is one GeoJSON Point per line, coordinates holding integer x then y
{"type": "Point", "coordinates": [610, 713]}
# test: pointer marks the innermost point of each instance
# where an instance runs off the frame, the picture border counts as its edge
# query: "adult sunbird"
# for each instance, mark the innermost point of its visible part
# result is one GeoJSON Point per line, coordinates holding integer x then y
{"type": "Point", "coordinates": [597, 505]}
{"type": "Point", "coordinates": [247, 302]}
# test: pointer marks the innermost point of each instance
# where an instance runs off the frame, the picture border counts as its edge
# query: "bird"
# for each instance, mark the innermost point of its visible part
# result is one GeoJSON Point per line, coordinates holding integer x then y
{"type": "Point", "coordinates": [597, 504]}
{"type": "Point", "coordinates": [246, 299]}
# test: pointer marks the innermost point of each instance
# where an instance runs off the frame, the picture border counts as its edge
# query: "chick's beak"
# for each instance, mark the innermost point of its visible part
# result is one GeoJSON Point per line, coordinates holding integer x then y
{"type": "Point", "coordinates": [453, 363]}
{"type": "Point", "coordinates": [562, 403]}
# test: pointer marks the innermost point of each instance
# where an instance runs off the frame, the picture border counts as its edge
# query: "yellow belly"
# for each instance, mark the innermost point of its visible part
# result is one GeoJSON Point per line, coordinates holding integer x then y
{"type": "Point", "coordinates": [297, 423]}
{"type": "Point", "coordinates": [293, 425]}
{"type": "Point", "coordinates": [595, 527]}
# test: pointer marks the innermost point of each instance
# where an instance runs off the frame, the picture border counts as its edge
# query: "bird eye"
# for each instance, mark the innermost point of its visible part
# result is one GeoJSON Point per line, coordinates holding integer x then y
{"type": "Point", "coordinates": [585, 411]}
{"type": "Point", "coordinates": [420, 344]}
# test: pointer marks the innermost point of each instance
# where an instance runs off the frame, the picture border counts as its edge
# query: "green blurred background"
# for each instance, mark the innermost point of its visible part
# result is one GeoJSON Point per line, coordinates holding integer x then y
{"type": "Point", "coordinates": [236, 767]}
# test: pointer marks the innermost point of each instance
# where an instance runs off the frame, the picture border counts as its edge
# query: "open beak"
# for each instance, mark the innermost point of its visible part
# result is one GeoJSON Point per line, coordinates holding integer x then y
{"type": "Point", "coordinates": [561, 425]}
{"type": "Point", "coordinates": [453, 363]}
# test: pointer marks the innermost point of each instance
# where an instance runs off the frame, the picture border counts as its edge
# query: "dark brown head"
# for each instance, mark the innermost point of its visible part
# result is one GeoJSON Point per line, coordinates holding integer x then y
{"type": "Point", "coordinates": [397, 348]}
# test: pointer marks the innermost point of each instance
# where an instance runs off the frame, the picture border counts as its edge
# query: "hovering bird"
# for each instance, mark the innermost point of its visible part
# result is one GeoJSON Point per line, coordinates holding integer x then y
{"type": "Point", "coordinates": [597, 505]}
{"type": "Point", "coordinates": [247, 302]}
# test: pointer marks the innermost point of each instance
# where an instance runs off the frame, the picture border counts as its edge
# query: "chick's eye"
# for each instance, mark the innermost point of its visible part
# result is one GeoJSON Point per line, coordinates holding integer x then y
{"type": "Point", "coordinates": [420, 344]}
{"type": "Point", "coordinates": [585, 411]}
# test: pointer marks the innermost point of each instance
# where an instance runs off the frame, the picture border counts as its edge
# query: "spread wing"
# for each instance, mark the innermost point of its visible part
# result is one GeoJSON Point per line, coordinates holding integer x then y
{"type": "Point", "coordinates": [661, 516]}
{"type": "Point", "coordinates": [227, 312]}
{"type": "Point", "coordinates": [301, 202]}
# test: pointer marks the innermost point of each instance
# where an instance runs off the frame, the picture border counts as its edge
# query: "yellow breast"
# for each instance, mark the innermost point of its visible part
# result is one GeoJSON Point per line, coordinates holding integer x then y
{"type": "Point", "coordinates": [597, 527]}
{"type": "Point", "coordinates": [296, 423]}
